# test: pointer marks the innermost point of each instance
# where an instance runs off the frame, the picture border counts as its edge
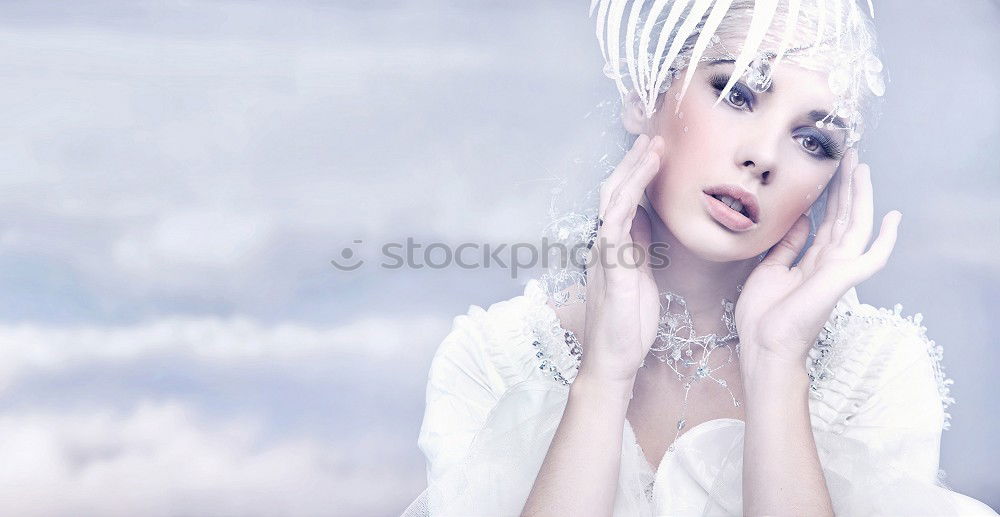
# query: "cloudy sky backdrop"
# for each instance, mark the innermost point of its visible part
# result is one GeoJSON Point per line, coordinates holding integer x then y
{"type": "Point", "coordinates": [177, 175]}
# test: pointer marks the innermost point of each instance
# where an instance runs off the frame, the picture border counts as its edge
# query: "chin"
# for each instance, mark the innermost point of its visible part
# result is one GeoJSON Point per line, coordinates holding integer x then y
{"type": "Point", "coordinates": [710, 241]}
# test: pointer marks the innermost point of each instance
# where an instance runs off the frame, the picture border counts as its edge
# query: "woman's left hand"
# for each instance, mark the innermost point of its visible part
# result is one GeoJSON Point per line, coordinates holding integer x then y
{"type": "Point", "coordinates": [782, 307]}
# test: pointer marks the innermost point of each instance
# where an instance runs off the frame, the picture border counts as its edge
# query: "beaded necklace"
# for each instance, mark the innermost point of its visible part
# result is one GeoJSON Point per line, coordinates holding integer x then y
{"type": "Point", "coordinates": [676, 342]}
{"type": "Point", "coordinates": [675, 345]}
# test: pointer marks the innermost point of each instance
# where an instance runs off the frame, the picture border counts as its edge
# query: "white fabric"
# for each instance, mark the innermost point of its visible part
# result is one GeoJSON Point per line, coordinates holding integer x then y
{"type": "Point", "coordinates": [492, 412]}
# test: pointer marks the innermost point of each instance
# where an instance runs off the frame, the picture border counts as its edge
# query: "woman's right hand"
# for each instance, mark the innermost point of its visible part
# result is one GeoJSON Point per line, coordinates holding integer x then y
{"type": "Point", "coordinates": [623, 306]}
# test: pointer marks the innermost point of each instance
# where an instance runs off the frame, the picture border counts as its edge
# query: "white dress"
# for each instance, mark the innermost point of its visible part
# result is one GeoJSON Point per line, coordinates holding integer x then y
{"type": "Point", "coordinates": [499, 382]}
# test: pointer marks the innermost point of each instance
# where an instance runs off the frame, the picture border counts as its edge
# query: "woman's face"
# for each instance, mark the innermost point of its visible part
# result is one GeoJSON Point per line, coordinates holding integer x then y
{"type": "Point", "coordinates": [764, 144]}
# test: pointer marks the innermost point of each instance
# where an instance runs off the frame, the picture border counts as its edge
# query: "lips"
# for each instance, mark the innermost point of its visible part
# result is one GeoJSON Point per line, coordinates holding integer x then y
{"type": "Point", "coordinates": [732, 206]}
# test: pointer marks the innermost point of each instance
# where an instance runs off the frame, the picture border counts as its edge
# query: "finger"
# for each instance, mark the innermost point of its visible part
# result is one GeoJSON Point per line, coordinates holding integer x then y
{"type": "Point", "coordinates": [593, 267]}
{"type": "Point", "coordinates": [628, 163]}
{"type": "Point", "coordinates": [654, 150]}
{"type": "Point", "coordinates": [859, 230]}
{"type": "Point", "coordinates": [825, 229]}
{"type": "Point", "coordinates": [626, 199]}
{"type": "Point", "coordinates": [823, 234]}
{"type": "Point", "coordinates": [826, 283]}
{"type": "Point", "coordinates": [642, 237]}
{"type": "Point", "coordinates": [878, 254]}
{"type": "Point", "coordinates": [618, 220]}
{"type": "Point", "coordinates": [634, 254]}
{"type": "Point", "coordinates": [845, 193]}
{"type": "Point", "coordinates": [785, 251]}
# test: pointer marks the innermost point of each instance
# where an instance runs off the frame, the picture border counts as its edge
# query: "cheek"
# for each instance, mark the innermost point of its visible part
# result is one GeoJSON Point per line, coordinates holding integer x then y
{"type": "Point", "coordinates": [694, 138]}
{"type": "Point", "coordinates": [697, 127]}
{"type": "Point", "coordinates": [795, 197]}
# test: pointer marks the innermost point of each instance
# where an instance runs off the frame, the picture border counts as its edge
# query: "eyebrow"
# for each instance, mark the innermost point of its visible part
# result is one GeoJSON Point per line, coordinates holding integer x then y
{"type": "Point", "coordinates": [770, 87]}
{"type": "Point", "coordinates": [817, 115]}
{"type": "Point", "coordinates": [814, 115]}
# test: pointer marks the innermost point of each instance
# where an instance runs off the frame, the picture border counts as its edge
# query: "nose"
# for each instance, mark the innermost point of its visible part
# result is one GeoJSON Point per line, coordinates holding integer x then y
{"type": "Point", "coordinates": [761, 172]}
{"type": "Point", "coordinates": [758, 153]}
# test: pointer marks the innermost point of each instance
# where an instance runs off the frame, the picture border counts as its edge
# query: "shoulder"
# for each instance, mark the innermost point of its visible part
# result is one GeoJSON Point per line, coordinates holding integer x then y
{"type": "Point", "coordinates": [876, 360]}
{"type": "Point", "coordinates": [508, 342]}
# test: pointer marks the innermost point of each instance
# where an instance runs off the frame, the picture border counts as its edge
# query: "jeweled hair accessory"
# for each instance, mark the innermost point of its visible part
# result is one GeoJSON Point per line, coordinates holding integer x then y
{"type": "Point", "coordinates": [647, 43]}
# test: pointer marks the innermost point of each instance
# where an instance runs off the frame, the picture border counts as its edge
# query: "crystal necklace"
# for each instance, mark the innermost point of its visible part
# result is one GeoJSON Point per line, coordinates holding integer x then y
{"type": "Point", "coordinates": [676, 344]}
{"type": "Point", "coordinates": [687, 354]}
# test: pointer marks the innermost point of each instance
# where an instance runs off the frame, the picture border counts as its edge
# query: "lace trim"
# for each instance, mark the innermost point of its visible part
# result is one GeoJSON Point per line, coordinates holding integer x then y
{"type": "Point", "coordinates": [836, 362]}
{"type": "Point", "coordinates": [556, 349]}
{"type": "Point", "coordinates": [836, 352]}
{"type": "Point", "coordinates": [934, 350]}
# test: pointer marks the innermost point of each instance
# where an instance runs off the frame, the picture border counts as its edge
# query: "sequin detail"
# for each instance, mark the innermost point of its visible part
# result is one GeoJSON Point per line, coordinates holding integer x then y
{"type": "Point", "coordinates": [556, 350]}
{"type": "Point", "coordinates": [825, 357]}
{"type": "Point", "coordinates": [546, 355]}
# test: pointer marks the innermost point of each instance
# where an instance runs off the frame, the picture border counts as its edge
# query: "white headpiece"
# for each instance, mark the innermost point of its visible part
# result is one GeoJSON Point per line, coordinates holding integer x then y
{"type": "Point", "coordinates": [826, 35]}
{"type": "Point", "coordinates": [648, 43]}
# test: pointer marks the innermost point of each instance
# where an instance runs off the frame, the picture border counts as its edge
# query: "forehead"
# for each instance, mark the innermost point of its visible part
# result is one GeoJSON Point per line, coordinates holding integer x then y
{"type": "Point", "coordinates": [802, 81]}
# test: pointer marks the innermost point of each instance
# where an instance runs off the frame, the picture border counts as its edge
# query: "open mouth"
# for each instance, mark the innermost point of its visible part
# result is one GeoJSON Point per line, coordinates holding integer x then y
{"type": "Point", "coordinates": [734, 204]}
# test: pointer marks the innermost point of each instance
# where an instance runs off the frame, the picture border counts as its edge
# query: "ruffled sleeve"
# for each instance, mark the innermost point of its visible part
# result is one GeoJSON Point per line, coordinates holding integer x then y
{"type": "Point", "coordinates": [884, 407]}
{"type": "Point", "coordinates": [904, 412]}
{"type": "Point", "coordinates": [486, 352]}
{"type": "Point", "coordinates": [496, 392]}
{"type": "Point", "coordinates": [490, 412]}
{"type": "Point", "coordinates": [878, 405]}
{"type": "Point", "coordinates": [462, 387]}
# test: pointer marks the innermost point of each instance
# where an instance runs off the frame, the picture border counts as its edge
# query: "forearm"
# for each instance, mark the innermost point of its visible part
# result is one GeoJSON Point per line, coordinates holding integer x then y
{"type": "Point", "coordinates": [781, 468]}
{"type": "Point", "coordinates": [579, 475]}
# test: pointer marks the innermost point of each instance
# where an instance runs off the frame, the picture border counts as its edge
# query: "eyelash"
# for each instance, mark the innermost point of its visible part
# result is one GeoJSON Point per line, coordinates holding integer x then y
{"type": "Point", "coordinates": [719, 82]}
{"type": "Point", "coordinates": [829, 149]}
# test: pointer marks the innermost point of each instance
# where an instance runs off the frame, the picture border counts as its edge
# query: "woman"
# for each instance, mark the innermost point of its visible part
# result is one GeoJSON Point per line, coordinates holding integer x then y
{"type": "Point", "coordinates": [799, 400]}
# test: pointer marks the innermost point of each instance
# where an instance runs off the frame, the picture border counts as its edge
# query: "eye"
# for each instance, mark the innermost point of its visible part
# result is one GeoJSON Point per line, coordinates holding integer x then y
{"type": "Point", "coordinates": [810, 144]}
{"type": "Point", "coordinates": [739, 97]}
{"type": "Point", "coordinates": [819, 145]}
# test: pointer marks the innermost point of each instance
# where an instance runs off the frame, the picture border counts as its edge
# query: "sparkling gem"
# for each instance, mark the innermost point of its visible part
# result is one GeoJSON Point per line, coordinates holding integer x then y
{"type": "Point", "coordinates": [876, 84]}
{"type": "Point", "coordinates": [873, 64]}
{"type": "Point", "coordinates": [758, 78]}
{"type": "Point", "coordinates": [839, 81]}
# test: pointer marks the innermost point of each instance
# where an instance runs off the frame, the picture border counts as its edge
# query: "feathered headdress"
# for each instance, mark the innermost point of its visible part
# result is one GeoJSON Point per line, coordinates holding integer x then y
{"type": "Point", "coordinates": [661, 37]}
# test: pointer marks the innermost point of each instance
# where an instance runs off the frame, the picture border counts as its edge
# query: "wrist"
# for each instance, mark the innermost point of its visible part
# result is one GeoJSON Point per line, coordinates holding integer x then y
{"type": "Point", "coordinates": [766, 376]}
{"type": "Point", "coordinates": [609, 392]}
{"type": "Point", "coordinates": [612, 378]}
{"type": "Point", "coordinates": [781, 397]}
{"type": "Point", "coordinates": [760, 362]}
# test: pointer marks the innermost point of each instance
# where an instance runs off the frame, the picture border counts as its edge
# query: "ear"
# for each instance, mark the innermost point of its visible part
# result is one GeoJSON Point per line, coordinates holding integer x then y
{"type": "Point", "coordinates": [633, 117]}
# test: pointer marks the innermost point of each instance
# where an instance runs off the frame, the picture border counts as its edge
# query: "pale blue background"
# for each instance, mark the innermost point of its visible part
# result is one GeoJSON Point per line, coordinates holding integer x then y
{"type": "Point", "coordinates": [177, 175]}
